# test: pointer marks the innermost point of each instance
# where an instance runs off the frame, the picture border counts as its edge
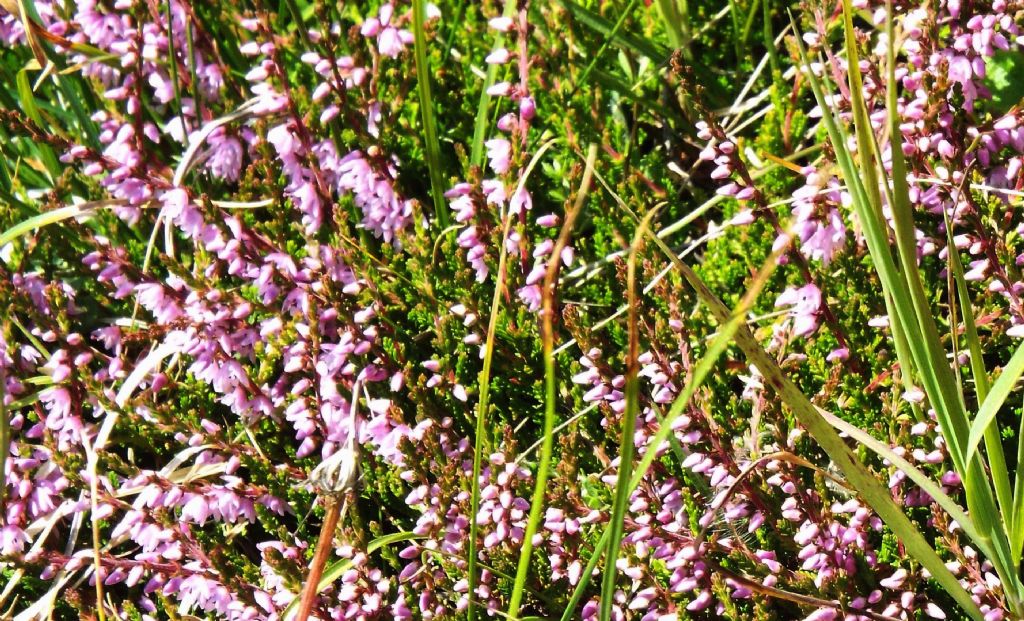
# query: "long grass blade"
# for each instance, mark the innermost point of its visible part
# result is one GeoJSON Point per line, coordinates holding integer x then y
{"type": "Point", "coordinates": [476, 154]}
{"type": "Point", "coordinates": [982, 385]}
{"type": "Point", "coordinates": [700, 372]}
{"type": "Point", "coordinates": [481, 419]}
{"type": "Point", "coordinates": [1001, 389]}
{"type": "Point", "coordinates": [595, 22]}
{"type": "Point", "coordinates": [676, 23]}
{"type": "Point", "coordinates": [619, 23]}
{"type": "Point", "coordinates": [626, 442]}
{"type": "Point", "coordinates": [46, 218]}
{"type": "Point", "coordinates": [28, 102]}
{"type": "Point", "coordinates": [914, 315]}
{"type": "Point", "coordinates": [1017, 535]}
{"type": "Point", "coordinates": [923, 481]}
{"type": "Point", "coordinates": [550, 386]}
{"type": "Point", "coordinates": [431, 145]}
{"type": "Point", "coordinates": [873, 492]}
{"type": "Point", "coordinates": [483, 402]}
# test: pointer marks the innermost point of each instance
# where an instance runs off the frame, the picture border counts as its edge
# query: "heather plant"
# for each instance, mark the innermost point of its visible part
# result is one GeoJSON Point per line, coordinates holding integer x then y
{"type": "Point", "coordinates": [585, 309]}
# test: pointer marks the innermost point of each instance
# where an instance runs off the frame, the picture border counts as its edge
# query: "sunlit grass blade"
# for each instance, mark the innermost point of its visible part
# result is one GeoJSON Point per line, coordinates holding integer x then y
{"type": "Point", "coordinates": [1001, 389]}
{"type": "Point", "coordinates": [676, 19]}
{"type": "Point", "coordinates": [480, 124]}
{"type": "Point", "coordinates": [768, 34]}
{"type": "Point", "coordinates": [619, 23]}
{"type": "Point", "coordinates": [626, 442]}
{"type": "Point", "coordinates": [912, 312]}
{"type": "Point", "coordinates": [586, 575]}
{"type": "Point", "coordinates": [28, 102]}
{"type": "Point", "coordinates": [923, 481]}
{"type": "Point", "coordinates": [92, 467]}
{"type": "Point", "coordinates": [700, 372]}
{"type": "Point", "coordinates": [483, 404]}
{"type": "Point", "coordinates": [624, 40]}
{"type": "Point", "coordinates": [550, 386]}
{"type": "Point", "coordinates": [1017, 536]}
{"type": "Point", "coordinates": [432, 147]}
{"type": "Point", "coordinates": [51, 217]}
{"type": "Point", "coordinates": [950, 409]}
{"type": "Point", "coordinates": [859, 477]}
{"type": "Point", "coordinates": [982, 385]}
{"type": "Point", "coordinates": [483, 401]}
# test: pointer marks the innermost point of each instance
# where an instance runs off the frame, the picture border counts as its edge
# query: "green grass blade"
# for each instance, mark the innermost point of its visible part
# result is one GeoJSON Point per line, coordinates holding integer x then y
{"type": "Point", "coordinates": [948, 405]}
{"type": "Point", "coordinates": [28, 102]}
{"type": "Point", "coordinates": [676, 24]}
{"type": "Point", "coordinates": [909, 302]}
{"type": "Point", "coordinates": [586, 575]}
{"type": "Point", "coordinates": [773, 54]}
{"type": "Point", "coordinates": [550, 387]}
{"type": "Point", "coordinates": [870, 489]}
{"type": "Point", "coordinates": [1017, 535]}
{"type": "Point", "coordinates": [36, 222]}
{"type": "Point", "coordinates": [483, 402]}
{"type": "Point", "coordinates": [23, 402]}
{"type": "Point", "coordinates": [172, 58]}
{"type": "Point", "coordinates": [481, 419]}
{"type": "Point", "coordinates": [862, 123]}
{"type": "Point", "coordinates": [604, 46]}
{"type": "Point", "coordinates": [914, 315]}
{"type": "Point", "coordinates": [626, 441]}
{"type": "Point", "coordinates": [1001, 389]}
{"type": "Point", "coordinates": [923, 481]}
{"type": "Point", "coordinates": [53, 217]}
{"type": "Point", "coordinates": [700, 372]}
{"type": "Point", "coordinates": [476, 154]}
{"type": "Point", "coordinates": [431, 145]}
{"type": "Point", "coordinates": [335, 570]}
{"type": "Point", "coordinates": [627, 41]}
{"type": "Point", "coordinates": [993, 442]}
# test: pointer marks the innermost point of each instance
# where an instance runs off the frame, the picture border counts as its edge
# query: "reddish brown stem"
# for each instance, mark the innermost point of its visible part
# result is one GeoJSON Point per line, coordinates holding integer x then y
{"type": "Point", "coordinates": [323, 549]}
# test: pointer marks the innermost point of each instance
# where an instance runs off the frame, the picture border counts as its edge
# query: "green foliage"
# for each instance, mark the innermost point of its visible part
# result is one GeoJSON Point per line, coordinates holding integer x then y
{"type": "Point", "coordinates": [1005, 78]}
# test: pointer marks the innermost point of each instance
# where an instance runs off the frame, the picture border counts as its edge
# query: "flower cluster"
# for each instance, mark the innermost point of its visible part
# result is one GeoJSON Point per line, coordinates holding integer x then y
{"type": "Point", "coordinates": [270, 290]}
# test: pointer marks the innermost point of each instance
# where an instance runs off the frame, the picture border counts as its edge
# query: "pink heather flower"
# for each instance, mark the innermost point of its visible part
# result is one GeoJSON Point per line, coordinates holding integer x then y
{"type": "Point", "coordinates": [501, 89]}
{"type": "Point", "coordinates": [390, 43]}
{"type": "Point", "coordinates": [822, 614]}
{"type": "Point", "coordinates": [839, 354]}
{"type": "Point", "coordinates": [501, 24]}
{"type": "Point", "coordinates": [521, 200]}
{"type": "Point", "coordinates": [804, 303]}
{"type": "Point", "coordinates": [499, 56]}
{"type": "Point", "coordinates": [507, 122]}
{"type": "Point", "coordinates": [702, 601]}
{"type": "Point", "coordinates": [499, 153]}
{"type": "Point", "coordinates": [895, 580]}
{"type": "Point", "coordinates": [527, 108]}
{"type": "Point", "coordinates": [960, 69]}
{"type": "Point", "coordinates": [225, 156]}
